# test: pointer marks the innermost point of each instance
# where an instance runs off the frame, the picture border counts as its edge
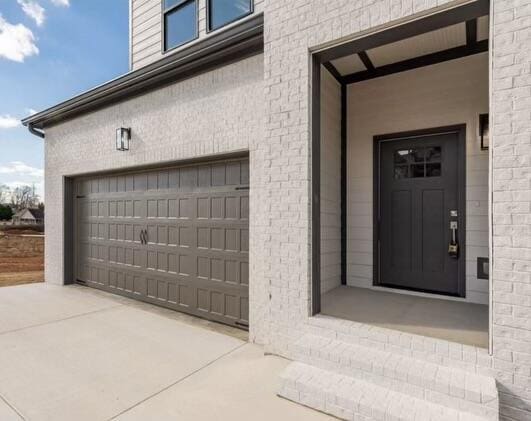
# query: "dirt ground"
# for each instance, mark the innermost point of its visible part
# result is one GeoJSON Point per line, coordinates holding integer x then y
{"type": "Point", "coordinates": [21, 259]}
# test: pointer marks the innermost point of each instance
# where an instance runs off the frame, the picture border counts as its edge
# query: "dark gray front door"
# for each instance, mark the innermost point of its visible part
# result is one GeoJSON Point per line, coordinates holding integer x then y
{"type": "Point", "coordinates": [420, 192]}
{"type": "Point", "coordinates": [176, 237]}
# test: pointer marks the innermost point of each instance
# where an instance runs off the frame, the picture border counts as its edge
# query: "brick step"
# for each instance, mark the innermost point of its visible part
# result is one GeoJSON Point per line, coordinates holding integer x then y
{"type": "Point", "coordinates": [438, 351]}
{"type": "Point", "coordinates": [348, 398]}
{"type": "Point", "coordinates": [451, 387]}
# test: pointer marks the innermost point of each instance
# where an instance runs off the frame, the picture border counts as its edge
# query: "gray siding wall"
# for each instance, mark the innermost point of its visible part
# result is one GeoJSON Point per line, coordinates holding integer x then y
{"type": "Point", "coordinates": [330, 182]}
{"type": "Point", "coordinates": [147, 33]}
{"type": "Point", "coordinates": [450, 93]}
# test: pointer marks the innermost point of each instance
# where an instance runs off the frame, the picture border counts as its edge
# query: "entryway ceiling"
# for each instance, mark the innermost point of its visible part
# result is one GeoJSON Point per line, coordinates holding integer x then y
{"type": "Point", "coordinates": [441, 40]}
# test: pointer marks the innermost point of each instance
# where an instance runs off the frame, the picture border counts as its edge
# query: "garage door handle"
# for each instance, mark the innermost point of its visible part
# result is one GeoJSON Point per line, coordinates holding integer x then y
{"type": "Point", "coordinates": [143, 236]}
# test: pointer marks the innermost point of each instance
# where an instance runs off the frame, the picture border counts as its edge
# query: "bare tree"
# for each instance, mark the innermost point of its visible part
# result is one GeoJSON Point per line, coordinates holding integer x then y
{"type": "Point", "coordinates": [5, 193]}
{"type": "Point", "coordinates": [24, 197]}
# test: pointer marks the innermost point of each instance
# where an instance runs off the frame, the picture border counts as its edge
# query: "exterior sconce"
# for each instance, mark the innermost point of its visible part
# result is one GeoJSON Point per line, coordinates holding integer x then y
{"type": "Point", "coordinates": [484, 131]}
{"type": "Point", "coordinates": [123, 136]}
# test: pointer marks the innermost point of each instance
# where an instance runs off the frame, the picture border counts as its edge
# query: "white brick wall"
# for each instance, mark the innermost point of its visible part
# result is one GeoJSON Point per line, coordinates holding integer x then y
{"type": "Point", "coordinates": [214, 113]}
{"type": "Point", "coordinates": [295, 27]}
{"type": "Point", "coordinates": [146, 30]}
{"type": "Point", "coordinates": [511, 149]}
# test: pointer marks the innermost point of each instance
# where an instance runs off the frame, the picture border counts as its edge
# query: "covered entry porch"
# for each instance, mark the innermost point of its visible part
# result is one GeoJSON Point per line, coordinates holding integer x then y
{"type": "Point", "coordinates": [400, 180]}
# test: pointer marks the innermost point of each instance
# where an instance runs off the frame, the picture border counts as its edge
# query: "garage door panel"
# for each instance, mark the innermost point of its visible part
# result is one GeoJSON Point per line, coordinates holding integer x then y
{"type": "Point", "coordinates": [196, 224]}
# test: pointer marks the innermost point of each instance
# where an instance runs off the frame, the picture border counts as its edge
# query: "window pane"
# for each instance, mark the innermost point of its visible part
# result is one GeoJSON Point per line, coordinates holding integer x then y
{"type": "Point", "coordinates": [181, 25]}
{"type": "Point", "coordinates": [171, 3]}
{"type": "Point", "coordinates": [433, 170]}
{"type": "Point", "coordinates": [433, 154]}
{"type": "Point", "coordinates": [224, 11]}
{"type": "Point", "coordinates": [402, 156]}
{"type": "Point", "coordinates": [417, 170]}
{"type": "Point", "coordinates": [401, 171]}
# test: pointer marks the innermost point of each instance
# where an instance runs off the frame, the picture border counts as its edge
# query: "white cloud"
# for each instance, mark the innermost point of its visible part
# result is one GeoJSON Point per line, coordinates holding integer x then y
{"type": "Point", "coordinates": [20, 169]}
{"type": "Point", "coordinates": [63, 3]}
{"type": "Point", "coordinates": [17, 174]}
{"type": "Point", "coordinates": [8, 122]}
{"type": "Point", "coordinates": [34, 10]}
{"type": "Point", "coordinates": [16, 41]}
{"type": "Point", "coordinates": [31, 111]}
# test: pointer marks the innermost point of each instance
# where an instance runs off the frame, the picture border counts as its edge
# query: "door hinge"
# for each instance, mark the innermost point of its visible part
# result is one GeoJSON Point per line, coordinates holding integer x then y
{"type": "Point", "coordinates": [246, 325]}
{"type": "Point", "coordinates": [80, 197]}
{"type": "Point", "coordinates": [242, 188]}
{"type": "Point", "coordinates": [79, 281]}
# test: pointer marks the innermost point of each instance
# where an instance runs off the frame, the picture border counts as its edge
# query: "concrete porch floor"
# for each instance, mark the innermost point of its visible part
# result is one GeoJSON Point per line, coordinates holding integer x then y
{"type": "Point", "coordinates": [73, 353]}
{"type": "Point", "coordinates": [453, 321]}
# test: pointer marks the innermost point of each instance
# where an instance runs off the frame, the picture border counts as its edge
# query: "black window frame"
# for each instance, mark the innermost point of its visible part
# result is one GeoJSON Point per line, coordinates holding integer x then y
{"type": "Point", "coordinates": [171, 9]}
{"type": "Point", "coordinates": [209, 28]}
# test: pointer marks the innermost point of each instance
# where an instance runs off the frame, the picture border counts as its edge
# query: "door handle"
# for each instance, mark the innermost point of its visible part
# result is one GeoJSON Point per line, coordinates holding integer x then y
{"type": "Point", "coordinates": [453, 247]}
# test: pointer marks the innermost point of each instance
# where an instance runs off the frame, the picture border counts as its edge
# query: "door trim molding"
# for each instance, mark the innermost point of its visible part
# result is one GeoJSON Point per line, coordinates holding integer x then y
{"type": "Point", "coordinates": [460, 129]}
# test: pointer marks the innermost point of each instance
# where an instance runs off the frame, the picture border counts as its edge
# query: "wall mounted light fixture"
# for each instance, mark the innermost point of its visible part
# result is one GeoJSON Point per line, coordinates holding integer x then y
{"type": "Point", "coordinates": [123, 137]}
{"type": "Point", "coordinates": [484, 131]}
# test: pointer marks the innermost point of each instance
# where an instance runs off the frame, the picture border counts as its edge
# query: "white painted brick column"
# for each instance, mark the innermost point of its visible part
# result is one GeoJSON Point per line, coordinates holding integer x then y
{"type": "Point", "coordinates": [511, 143]}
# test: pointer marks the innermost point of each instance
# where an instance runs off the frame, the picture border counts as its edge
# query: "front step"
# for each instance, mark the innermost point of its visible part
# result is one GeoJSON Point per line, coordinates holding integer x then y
{"type": "Point", "coordinates": [451, 387]}
{"type": "Point", "coordinates": [455, 388]}
{"type": "Point", "coordinates": [349, 398]}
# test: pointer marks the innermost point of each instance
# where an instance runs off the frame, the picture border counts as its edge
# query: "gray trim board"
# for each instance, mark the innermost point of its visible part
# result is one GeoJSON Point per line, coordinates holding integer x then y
{"type": "Point", "coordinates": [316, 185]}
{"type": "Point", "coordinates": [430, 23]}
{"type": "Point", "coordinates": [344, 164]}
{"type": "Point", "coordinates": [236, 42]}
{"type": "Point", "coordinates": [417, 62]}
{"type": "Point", "coordinates": [471, 32]}
{"type": "Point", "coordinates": [366, 60]}
{"type": "Point", "coordinates": [68, 231]}
{"type": "Point", "coordinates": [333, 71]}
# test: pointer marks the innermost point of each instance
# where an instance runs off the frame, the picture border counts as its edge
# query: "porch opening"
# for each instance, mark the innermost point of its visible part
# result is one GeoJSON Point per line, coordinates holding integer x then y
{"type": "Point", "coordinates": [400, 173]}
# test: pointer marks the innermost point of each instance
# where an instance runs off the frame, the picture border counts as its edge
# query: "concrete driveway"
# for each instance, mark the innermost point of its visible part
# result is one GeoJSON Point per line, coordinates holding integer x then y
{"type": "Point", "coordinates": [73, 353]}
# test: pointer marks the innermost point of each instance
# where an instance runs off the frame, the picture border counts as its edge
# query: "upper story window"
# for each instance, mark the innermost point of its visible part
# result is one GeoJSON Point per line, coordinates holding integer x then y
{"type": "Point", "coordinates": [180, 22]}
{"type": "Point", "coordinates": [223, 12]}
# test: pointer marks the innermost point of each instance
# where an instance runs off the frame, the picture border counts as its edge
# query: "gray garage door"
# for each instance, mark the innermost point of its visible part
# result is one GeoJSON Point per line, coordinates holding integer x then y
{"type": "Point", "coordinates": [175, 237]}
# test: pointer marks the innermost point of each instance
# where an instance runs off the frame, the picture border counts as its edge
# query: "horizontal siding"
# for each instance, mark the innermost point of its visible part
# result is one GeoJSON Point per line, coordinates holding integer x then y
{"type": "Point", "coordinates": [146, 29]}
{"type": "Point", "coordinates": [147, 8]}
{"type": "Point", "coordinates": [152, 31]}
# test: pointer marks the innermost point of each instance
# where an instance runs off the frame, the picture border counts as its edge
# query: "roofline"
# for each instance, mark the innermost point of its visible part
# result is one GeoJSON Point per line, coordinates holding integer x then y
{"type": "Point", "coordinates": [239, 41]}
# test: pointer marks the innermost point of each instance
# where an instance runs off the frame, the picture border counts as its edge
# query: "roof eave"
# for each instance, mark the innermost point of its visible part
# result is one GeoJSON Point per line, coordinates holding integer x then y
{"type": "Point", "coordinates": [234, 43]}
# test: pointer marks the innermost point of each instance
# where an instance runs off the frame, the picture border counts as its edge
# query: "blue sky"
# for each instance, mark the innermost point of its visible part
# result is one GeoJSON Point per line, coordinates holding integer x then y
{"type": "Point", "coordinates": [51, 50]}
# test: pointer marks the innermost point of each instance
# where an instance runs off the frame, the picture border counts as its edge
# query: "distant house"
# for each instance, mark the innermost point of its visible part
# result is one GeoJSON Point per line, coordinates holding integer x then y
{"type": "Point", "coordinates": [29, 216]}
